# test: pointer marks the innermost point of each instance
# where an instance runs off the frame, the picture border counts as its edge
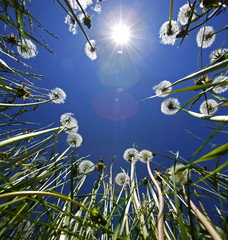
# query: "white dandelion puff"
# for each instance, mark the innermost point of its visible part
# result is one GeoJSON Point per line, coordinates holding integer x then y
{"type": "Point", "coordinates": [57, 95]}
{"type": "Point", "coordinates": [74, 140]}
{"type": "Point", "coordinates": [179, 177]}
{"type": "Point", "coordinates": [27, 49]}
{"type": "Point", "coordinates": [168, 33]}
{"type": "Point", "coordinates": [122, 179]}
{"type": "Point", "coordinates": [205, 37]}
{"type": "Point", "coordinates": [72, 24]}
{"type": "Point", "coordinates": [163, 87]}
{"type": "Point", "coordinates": [223, 88]}
{"type": "Point", "coordinates": [218, 55]}
{"type": "Point", "coordinates": [145, 156]}
{"type": "Point", "coordinates": [131, 154]}
{"type": "Point", "coordinates": [208, 107]}
{"type": "Point", "coordinates": [69, 122]}
{"type": "Point", "coordinates": [184, 14]}
{"type": "Point", "coordinates": [86, 166]}
{"type": "Point", "coordinates": [170, 106]}
{"type": "Point", "coordinates": [91, 51]}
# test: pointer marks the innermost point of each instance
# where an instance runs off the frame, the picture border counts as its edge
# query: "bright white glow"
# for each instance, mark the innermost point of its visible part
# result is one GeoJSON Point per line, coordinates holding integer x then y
{"type": "Point", "coordinates": [121, 34]}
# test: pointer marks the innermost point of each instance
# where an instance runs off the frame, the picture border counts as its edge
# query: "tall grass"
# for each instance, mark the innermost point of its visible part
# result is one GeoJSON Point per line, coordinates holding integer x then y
{"type": "Point", "coordinates": [41, 197]}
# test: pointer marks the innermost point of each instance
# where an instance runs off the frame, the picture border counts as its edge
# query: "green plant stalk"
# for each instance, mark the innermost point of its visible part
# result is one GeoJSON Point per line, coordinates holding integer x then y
{"type": "Point", "coordinates": [41, 193]}
{"type": "Point", "coordinates": [202, 218]}
{"type": "Point", "coordinates": [142, 221]}
{"type": "Point", "coordinates": [130, 198]}
{"type": "Point", "coordinates": [170, 13]}
{"type": "Point", "coordinates": [78, 22]}
{"type": "Point", "coordinates": [28, 135]}
{"type": "Point", "coordinates": [212, 68]}
{"type": "Point", "coordinates": [220, 118]}
{"type": "Point", "coordinates": [160, 219]}
{"type": "Point", "coordinates": [23, 104]}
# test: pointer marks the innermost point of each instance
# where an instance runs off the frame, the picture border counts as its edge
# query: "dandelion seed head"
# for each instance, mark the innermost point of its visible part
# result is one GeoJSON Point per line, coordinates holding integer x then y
{"type": "Point", "coordinates": [145, 156]}
{"type": "Point", "coordinates": [122, 179]}
{"type": "Point", "coordinates": [170, 106]}
{"type": "Point", "coordinates": [205, 37]}
{"type": "Point", "coordinates": [223, 88]}
{"type": "Point", "coordinates": [218, 55]}
{"type": "Point", "coordinates": [69, 122]}
{"type": "Point", "coordinates": [208, 107]}
{"type": "Point", "coordinates": [131, 154]}
{"type": "Point", "coordinates": [163, 87]}
{"type": "Point", "coordinates": [180, 178]}
{"type": "Point", "coordinates": [184, 14]}
{"type": "Point", "coordinates": [27, 52]}
{"type": "Point", "coordinates": [167, 34]}
{"type": "Point", "coordinates": [57, 95]}
{"type": "Point", "coordinates": [86, 166]}
{"type": "Point", "coordinates": [91, 52]}
{"type": "Point", "coordinates": [74, 140]}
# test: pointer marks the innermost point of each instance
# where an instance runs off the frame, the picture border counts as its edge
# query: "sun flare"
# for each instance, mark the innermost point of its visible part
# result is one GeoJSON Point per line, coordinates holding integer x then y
{"type": "Point", "coordinates": [121, 34]}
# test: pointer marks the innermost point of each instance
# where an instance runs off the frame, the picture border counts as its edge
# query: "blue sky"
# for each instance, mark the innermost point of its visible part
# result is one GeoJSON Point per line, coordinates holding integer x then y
{"type": "Point", "coordinates": [106, 95]}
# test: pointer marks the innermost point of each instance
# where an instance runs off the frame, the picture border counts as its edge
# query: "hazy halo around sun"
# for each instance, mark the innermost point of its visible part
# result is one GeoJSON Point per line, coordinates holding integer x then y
{"type": "Point", "coordinates": [121, 34]}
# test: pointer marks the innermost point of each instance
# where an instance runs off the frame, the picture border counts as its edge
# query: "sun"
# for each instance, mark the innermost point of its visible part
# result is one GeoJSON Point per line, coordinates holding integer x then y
{"type": "Point", "coordinates": [121, 34]}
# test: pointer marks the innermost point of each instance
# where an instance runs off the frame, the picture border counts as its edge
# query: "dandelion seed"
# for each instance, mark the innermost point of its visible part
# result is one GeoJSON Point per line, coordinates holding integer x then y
{"type": "Point", "coordinates": [27, 49]}
{"type": "Point", "coordinates": [163, 87]}
{"type": "Point", "coordinates": [223, 88]}
{"type": "Point", "coordinates": [97, 8]}
{"type": "Point", "coordinates": [184, 14]}
{"type": "Point", "coordinates": [57, 95]}
{"type": "Point", "coordinates": [180, 178]}
{"type": "Point", "coordinates": [39, 162]}
{"type": "Point", "coordinates": [168, 33]}
{"type": "Point", "coordinates": [86, 166]}
{"type": "Point", "coordinates": [170, 106]}
{"type": "Point", "coordinates": [69, 122]}
{"type": "Point", "coordinates": [83, 3]}
{"type": "Point", "coordinates": [122, 179]}
{"type": "Point", "coordinates": [205, 37]}
{"type": "Point", "coordinates": [72, 24]}
{"type": "Point", "coordinates": [31, 172]}
{"type": "Point", "coordinates": [91, 51]}
{"type": "Point", "coordinates": [162, 185]}
{"type": "Point", "coordinates": [25, 224]}
{"type": "Point", "coordinates": [74, 140]}
{"type": "Point", "coordinates": [130, 155]}
{"type": "Point", "coordinates": [219, 55]}
{"type": "Point", "coordinates": [208, 107]}
{"type": "Point", "coordinates": [145, 156]}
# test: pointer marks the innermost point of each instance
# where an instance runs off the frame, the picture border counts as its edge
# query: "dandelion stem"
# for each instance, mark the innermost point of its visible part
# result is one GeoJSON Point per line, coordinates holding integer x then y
{"type": "Point", "coordinates": [26, 136]}
{"type": "Point", "coordinates": [221, 118]}
{"type": "Point", "coordinates": [170, 13]}
{"type": "Point", "coordinates": [79, 4]}
{"type": "Point", "coordinates": [202, 218]}
{"type": "Point", "coordinates": [23, 104]}
{"type": "Point", "coordinates": [161, 205]}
